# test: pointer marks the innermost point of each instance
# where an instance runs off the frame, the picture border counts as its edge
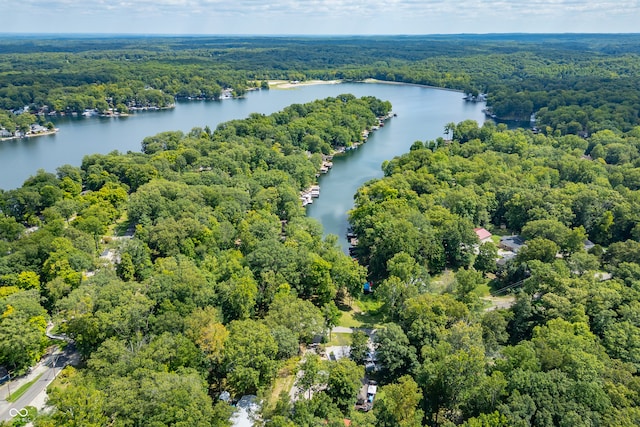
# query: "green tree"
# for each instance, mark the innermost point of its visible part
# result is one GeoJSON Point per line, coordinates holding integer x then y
{"type": "Point", "coordinates": [449, 378]}
{"type": "Point", "coordinates": [465, 283]}
{"type": "Point", "coordinates": [396, 356]}
{"type": "Point", "coordinates": [494, 419]}
{"type": "Point", "coordinates": [344, 382]}
{"type": "Point", "coordinates": [28, 280]}
{"type": "Point", "coordinates": [312, 374]}
{"type": "Point", "coordinates": [22, 330]}
{"type": "Point", "coordinates": [76, 402]}
{"type": "Point", "coordinates": [203, 327]}
{"type": "Point", "coordinates": [297, 315]}
{"type": "Point", "coordinates": [287, 341]}
{"type": "Point", "coordinates": [238, 296]}
{"type": "Point", "coordinates": [331, 315]}
{"type": "Point", "coordinates": [494, 329]}
{"type": "Point", "coordinates": [399, 403]}
{"type": "Point", "coordinates": [21, 342]}
{"type": "Point", "coordinates": [125, 268]}
{"type": "Point", "coordinates": [485, 260]}
{"type": "Point", "coordinates": [93, 226]}
{"type": "Point", "coordinates": [359, 347]}
{"type": "Point", "coordinates": [538, 249]}
{"type": "Point", "coordinates": [250, 354]}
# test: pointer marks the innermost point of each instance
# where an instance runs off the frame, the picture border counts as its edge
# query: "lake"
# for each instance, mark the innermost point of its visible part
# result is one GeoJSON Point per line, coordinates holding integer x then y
{"type": "Point", "coordinates": [421, 112]}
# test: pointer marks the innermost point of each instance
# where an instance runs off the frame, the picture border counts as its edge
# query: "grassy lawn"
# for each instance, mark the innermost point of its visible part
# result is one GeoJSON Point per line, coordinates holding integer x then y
{"type": "Point", "coordinates": [22, 390]}
{"type": "Point", "coordinates": [284, 381]}
{"type": "Point", "coordinates": [339, 339]}
{"type": "Point", "coordinates": [121, 226]}
{"type": "Point", "coordinates": [482, 290]}
{"type": "Point", "coordinates": [348, 320]}
{"type": "Point", "coordinates": [441, 282]}
{"type": "Point", "coordinates": [499, 232]}
{"type": "Point", "coordinates": [362, 313]}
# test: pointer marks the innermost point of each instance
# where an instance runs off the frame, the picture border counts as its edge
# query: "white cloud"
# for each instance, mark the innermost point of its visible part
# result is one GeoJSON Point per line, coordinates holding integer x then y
{"type": "Point", "coordinates": [320, 16]}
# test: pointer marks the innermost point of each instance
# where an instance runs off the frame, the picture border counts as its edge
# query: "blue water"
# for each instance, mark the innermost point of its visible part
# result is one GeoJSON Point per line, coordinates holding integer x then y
{"type": "Point", "coordinates": [422, 114]}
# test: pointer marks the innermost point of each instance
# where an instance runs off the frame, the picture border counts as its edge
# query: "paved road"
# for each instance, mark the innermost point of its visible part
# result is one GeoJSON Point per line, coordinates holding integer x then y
{"type": "Point", "coordinates": [49, 367]}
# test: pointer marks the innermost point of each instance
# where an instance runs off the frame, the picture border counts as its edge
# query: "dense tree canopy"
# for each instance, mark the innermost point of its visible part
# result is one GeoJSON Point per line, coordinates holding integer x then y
{"type": "Point", "coordinates": [190, 268]}
{"type": "Point", "coordinates": [223, 277]}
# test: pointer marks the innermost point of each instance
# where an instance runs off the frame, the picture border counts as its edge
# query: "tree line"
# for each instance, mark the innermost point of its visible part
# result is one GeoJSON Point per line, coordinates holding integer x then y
{"type": "Point", "coordinates": [577, 85]}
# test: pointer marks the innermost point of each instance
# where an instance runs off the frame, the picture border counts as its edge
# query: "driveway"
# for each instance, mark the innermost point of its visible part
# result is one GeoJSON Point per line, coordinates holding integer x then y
{"type": "Point", "coordinates": [345, 330]}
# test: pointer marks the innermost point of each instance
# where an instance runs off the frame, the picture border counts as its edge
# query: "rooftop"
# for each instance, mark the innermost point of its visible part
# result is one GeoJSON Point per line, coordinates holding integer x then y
{"type": "Point", "coordinates": [482, 233]}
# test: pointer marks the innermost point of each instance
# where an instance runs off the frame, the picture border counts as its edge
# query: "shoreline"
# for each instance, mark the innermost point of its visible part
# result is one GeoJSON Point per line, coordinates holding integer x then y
{"type": "Point", "coordinates": [30, 135]}
{"type": "Point", "coordinates": [285, 84]}
{"type": "Point", "coordinates": [308, 194]}
{"type": "Point", "coordinates": [410, 84]}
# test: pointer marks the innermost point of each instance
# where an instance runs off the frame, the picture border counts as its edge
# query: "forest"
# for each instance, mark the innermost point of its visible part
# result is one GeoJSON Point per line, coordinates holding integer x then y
{"type": "Point", "coordinates": [189, 271]}
{"type": "Point", "coordinates": [222, 280]}
{"type": "Point", "coordinates": [574, 84]}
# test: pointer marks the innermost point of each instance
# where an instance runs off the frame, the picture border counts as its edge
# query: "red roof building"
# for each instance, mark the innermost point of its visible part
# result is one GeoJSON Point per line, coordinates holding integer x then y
{"type": "Point", "coordinates": [483, 234]}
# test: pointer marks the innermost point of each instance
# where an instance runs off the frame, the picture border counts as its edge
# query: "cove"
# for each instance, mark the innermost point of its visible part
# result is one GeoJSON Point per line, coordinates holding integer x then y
{"type": "Point", "coordinates": [421, 112]}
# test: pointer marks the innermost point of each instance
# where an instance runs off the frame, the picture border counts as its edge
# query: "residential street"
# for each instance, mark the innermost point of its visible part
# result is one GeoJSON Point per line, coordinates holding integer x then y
{"type": "Point", "coordinates": [49, 367]}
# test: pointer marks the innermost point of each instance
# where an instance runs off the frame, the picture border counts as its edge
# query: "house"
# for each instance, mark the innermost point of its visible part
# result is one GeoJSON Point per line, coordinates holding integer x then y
{"type": "Point", "coordinates": [5, 133]}
{"type": "Point", "coordinates": [90, 112]}
{"type": "Point", "coordinates": [588, 245]}
{"type": "Point", "coordinates": [337, 352]}
{"type": "Point", "coordinates": [483, 234]}
{"type": "Point", "coordinates": [505, 256]}
{"type": "Point", "coordinates": [22, 110]}
{"type": "Point", "coordinates": [511, 243]}
{"type": "Point", "coordinates": [35, 128]}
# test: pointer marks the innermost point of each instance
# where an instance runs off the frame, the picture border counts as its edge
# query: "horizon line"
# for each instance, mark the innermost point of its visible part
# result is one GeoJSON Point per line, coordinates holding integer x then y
{"type": "Point", "coordinates": [105, 34]}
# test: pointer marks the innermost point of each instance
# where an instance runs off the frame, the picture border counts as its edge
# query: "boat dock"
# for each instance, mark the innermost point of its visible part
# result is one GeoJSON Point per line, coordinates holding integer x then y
{"type": "Point", "coordinates": [307, 196]}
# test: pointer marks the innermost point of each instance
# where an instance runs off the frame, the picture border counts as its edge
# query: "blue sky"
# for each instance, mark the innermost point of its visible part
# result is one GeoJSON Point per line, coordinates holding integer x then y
{"type": "Point", "coordinates": [319, 16]}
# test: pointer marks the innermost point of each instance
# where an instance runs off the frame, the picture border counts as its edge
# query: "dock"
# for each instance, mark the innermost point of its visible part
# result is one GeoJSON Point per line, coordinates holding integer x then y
{"type": "Point", "coordinates": [307, 196]}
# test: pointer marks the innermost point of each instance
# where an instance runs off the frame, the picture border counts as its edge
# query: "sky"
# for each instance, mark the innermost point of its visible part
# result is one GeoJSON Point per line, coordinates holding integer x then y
{"type": "Point", "coordinates": [319, 17]}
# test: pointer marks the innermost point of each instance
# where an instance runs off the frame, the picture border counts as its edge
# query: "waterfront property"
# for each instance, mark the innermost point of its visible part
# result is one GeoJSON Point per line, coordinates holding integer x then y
{"type": "Point", "coordinates": [34, 130]}
{"type": "Point", "coordinates": [421, 115]}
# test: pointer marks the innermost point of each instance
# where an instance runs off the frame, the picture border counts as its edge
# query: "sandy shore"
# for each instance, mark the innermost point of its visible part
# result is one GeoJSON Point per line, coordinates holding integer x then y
{"type": "Point", "coordinates": [286, 84]}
